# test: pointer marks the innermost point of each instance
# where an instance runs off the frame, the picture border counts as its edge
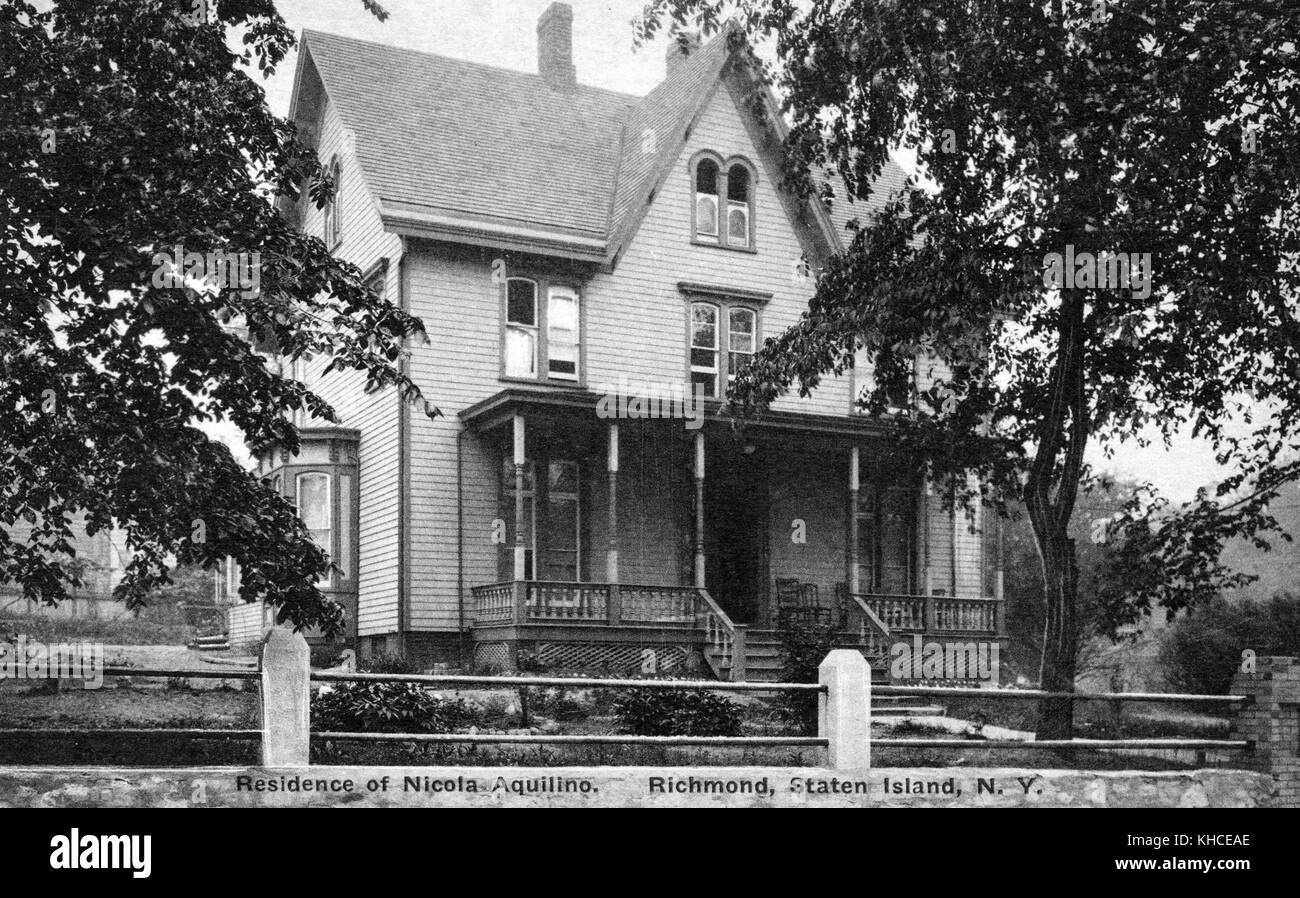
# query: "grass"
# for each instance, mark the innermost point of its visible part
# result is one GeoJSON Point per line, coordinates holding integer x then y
{"type": "Point", "coordinates": [155, 704]}
{"type": "Point", "coordinates": [123, 631]}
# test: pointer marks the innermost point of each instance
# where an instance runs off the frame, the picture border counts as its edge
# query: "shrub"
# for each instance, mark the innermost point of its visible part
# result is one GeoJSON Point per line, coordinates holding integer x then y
{"type": "Point", "coordinates": [803, 648]}
{"type": "Point", "coordinates": [372, 707]}
{"type": "Point", "coordinates": [388, 664]}
{"type": "Point", "coordinates": [676, 712]}
{"type": "Point", "coordinates": [1202, 650]}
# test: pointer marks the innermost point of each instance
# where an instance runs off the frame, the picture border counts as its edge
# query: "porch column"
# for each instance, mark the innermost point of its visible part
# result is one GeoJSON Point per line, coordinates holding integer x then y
{"type": "Point", "coordinates": [519, 495]}
{"type": "Point", "coordinates": [853, 520]}
{"type": "Point", "coordinates": [699, 508]}
{"type": "Point", "coordinates": [1000, 617]}
{"type": "Point", "coordinates": [611, 465]}
{"type": "Point", "coordinates": [614, 603]}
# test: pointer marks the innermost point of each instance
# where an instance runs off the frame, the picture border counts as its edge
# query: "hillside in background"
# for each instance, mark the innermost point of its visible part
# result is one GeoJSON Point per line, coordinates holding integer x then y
{"type": "Point", "coordinates": [1279, 569]}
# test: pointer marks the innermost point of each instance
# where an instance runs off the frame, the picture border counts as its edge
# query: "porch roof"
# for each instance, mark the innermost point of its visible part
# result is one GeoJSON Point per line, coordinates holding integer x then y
{"type": "Point", "coordinates": [502, 406]}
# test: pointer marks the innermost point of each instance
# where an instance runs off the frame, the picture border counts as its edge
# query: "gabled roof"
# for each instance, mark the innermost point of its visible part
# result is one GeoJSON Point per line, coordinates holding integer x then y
{"type": "Point", "coordinates": [464, 151]}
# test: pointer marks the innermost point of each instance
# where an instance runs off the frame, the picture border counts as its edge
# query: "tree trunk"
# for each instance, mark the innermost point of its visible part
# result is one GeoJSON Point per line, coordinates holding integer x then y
{"type": "Point", "coordinates": [1050, 492]}
{"type": "Point", "coordinates": [1060, 634]}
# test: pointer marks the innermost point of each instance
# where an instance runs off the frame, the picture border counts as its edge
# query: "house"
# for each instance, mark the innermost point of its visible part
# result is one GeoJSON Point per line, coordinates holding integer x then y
{"type": "Point", "coordinates": [592, 268]}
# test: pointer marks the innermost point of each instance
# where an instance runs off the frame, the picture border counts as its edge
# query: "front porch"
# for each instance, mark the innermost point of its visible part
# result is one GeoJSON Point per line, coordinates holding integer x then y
{"type": "Point", "coordinates": [685, 548]}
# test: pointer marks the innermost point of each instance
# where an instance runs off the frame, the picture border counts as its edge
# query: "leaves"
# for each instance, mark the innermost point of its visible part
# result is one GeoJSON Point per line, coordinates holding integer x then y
{"type": "Point", "coordinates": [164, 145]}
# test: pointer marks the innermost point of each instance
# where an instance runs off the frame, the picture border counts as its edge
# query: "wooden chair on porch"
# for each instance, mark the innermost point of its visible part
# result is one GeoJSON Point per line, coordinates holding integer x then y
{"type": "Point", "coordinates": [799, 603]}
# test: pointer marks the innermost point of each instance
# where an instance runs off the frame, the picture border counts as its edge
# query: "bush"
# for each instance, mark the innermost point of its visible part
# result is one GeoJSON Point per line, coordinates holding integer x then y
{"type": "Point", "coordinates": [676, 712]}
{"type": "Point", "coordinates": [1202, 650]}
{"type": "Point", "coordinates": [372, 707]}
{"type": "Point", "coordinates": [388, 664]}
{"type": "Point", "coordinates": [803, 648]}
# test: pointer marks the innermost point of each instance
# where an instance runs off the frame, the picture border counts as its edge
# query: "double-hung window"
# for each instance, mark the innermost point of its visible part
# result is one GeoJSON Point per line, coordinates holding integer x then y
{"type": "Point", "coordinates": [521, 328]}
{"type": "Point", "coordinates": [316, 509]}
{"type": "Point", "coordinates": [543, 322]}
{"type": "Point", "coordinates": [712, 327]}
{"type": "Point", "coordinates": [704, 347]}
{"type": "Point", "coordinates": [741, 327]}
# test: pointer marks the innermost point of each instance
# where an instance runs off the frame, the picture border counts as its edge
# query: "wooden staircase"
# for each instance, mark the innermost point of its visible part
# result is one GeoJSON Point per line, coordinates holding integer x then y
{"type": "Point", "coordinates": [763, 662]}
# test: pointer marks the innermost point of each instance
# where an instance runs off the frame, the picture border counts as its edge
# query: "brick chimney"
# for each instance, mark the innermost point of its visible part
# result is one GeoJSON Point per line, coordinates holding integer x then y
{"type": "Point", "coordinates": [676, 53]}
{"type": "Point", "coordinates": [555, 47]}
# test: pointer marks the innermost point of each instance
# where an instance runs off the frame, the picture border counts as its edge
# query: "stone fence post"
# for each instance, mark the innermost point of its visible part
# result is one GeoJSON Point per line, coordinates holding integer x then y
{"type": "Point", "coordinates": [844, 710]}
{"type": "Point", "coordinates": [286, 699]}
{"type": "Point", "coordinates": [1269, 719]}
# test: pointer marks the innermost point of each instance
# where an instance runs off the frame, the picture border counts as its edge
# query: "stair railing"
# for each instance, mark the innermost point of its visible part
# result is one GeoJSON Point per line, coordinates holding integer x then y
{"type": "Point", "coordinates": [874, 637]}
{"type": "Point", "coordinates": [725, 638]}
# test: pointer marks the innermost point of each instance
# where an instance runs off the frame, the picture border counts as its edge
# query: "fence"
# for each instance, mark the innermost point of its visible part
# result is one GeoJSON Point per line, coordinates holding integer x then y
{"type": "Point", "coordinates": [1265, 710]}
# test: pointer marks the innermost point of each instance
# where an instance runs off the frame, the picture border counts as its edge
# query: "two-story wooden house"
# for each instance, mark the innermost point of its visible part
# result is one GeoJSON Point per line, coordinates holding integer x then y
{"type": "Point", "coordinates": [583, 260]}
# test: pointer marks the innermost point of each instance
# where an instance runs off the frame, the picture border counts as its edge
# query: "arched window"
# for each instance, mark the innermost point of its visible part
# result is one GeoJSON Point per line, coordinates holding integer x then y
{"type": "Point", "coordinates": [704, 347]}
{"type": "Point", "coordinates": [706, 200]}
{"type": "Point", "coordinates": [723, 214]}
{"type": "Point", "coordinates": [333, 216]}
{"type": "Point", "coordinates": [738, 200]}
{"type": "Point", "coordinates": [741, 333]}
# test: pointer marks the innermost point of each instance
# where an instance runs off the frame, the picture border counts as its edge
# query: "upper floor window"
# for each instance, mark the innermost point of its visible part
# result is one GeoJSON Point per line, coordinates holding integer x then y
{"type": "Point", "coordinates": [333, 217]}
{"type": "Point", "coordinates": [898, 389]}
{"type": "Point", "coordinates": [542, 338]}
{"type": "Point", "coordinates": [704, 346]}
{"type": "Point", "coordinates": [706, 200]}
{"type": "Point", "coordinates": [738, 205]}
{"type": "Point", "coordinates": [741, 333]}
{"type": "Point", "coordinates": [712, 327]}
{"type": "Point", "coordinates": [723, 211]}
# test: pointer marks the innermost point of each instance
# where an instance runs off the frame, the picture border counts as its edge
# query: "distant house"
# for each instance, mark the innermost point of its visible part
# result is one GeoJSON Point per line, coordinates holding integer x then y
{"type": "Point", "coordinates": [568, 246]}
{"type": "Point", "coordinates": [98, 561]}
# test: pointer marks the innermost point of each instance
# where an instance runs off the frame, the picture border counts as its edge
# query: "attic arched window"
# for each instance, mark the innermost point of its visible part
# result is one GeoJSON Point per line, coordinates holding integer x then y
{"type": "Point", "coordinates": [706, 200]}
{"type": "Point", "coordinates": [738, 199]}
{"type": "Point", "coordinates": [723, 210]}
{"type": "Point", "coordinates": [333, 216]}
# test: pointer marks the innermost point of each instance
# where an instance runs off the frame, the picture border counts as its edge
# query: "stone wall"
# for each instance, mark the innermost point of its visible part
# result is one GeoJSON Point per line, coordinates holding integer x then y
{"type": "Point", "coordinates": [624, 787]}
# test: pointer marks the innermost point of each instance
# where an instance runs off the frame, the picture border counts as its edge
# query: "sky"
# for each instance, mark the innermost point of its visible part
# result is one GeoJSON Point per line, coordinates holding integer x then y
{"type": "Point", "coordinates": [503, 33]}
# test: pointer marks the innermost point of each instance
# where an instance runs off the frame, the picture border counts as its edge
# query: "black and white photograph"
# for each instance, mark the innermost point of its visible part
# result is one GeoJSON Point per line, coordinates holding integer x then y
{"type": "Point", "coordinates": [651, 403]}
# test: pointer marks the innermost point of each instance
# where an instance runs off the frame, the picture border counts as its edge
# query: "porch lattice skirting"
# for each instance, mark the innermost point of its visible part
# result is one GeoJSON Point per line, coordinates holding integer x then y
{"type": "Point", "coordinates": [621, 658]}
{"type": "Point", "coordinates": [606, 656]}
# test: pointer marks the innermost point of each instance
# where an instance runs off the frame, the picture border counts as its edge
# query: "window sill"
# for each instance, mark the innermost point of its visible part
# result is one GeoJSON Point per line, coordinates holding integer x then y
{"type": "Point", "coordinates": [695, 241]}
{"type": "Point", "coordinates": [544, 382]}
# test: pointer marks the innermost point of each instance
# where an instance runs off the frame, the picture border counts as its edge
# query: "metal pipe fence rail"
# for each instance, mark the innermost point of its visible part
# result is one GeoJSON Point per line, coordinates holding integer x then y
{"type": "Point", "coordinates": [844, 694]}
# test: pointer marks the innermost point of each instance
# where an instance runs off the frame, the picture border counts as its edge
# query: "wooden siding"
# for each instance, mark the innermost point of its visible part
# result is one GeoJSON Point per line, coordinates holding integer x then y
{"type": "Point", "coordinates": [364, 243]}
{"type": "Point", "coordinates": [634, 325]}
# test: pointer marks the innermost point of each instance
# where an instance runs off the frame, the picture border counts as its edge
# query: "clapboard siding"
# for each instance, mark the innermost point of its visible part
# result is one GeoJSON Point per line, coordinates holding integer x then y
{"type": "Point", "coordinates": [364, 243]}
{"type": "Point", "coordinates": [637, 317]}
{"type": "Point", "coordinates": [635, 321]}
{"type": "Point", "coordinates": [453, 293]}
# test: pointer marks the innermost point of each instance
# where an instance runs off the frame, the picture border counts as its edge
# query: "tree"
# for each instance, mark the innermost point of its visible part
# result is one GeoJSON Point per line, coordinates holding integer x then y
{"type": "Point", "coordinates": [135, 143]}
{"type": "Point", "coordinates": [1052, 133]}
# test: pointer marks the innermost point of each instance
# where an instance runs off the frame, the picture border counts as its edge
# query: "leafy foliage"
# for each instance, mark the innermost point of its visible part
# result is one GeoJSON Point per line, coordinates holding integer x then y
{"type": "Point", "coordinates": [676, 712]}
{"type": "Point", "coordinates": [130, 129]}
{"type": "Point", "coordinates": [376, 707]}
{"type": "Point", "coordinates": [804, 647]}
{"type": "Point", "coordinates": [1136, 127]}
{"type": "Point", "coordinates": [1203, 649]}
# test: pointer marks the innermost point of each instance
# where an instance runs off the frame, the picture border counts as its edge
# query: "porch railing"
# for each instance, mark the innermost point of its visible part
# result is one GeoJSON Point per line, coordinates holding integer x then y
{"type": "Point", "coordinates": [925, 614]}
{"type": "Point", "coordinates": [611, 604]}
